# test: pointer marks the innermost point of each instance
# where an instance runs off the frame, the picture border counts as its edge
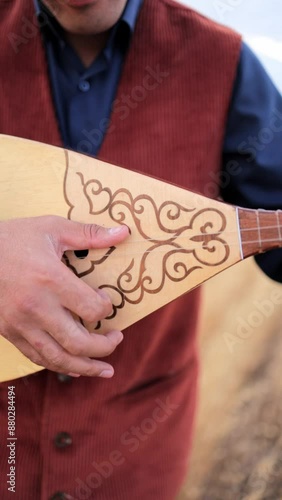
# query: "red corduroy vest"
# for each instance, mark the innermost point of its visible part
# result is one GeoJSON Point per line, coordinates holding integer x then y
{"type": "Point", "coordinates": [128, 437]}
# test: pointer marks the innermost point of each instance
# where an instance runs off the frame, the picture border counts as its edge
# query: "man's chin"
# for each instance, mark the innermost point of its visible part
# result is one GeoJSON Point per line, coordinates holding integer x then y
{"type": "Point", "coordinates": [86, 17]}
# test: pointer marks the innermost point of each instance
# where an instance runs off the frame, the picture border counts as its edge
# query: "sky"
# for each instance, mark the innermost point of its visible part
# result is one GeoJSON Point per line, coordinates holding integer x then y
{"type": "Point", "coordinates": [259, 21]}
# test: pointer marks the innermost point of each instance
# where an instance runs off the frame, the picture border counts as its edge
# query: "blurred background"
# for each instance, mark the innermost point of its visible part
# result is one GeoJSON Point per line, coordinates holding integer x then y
{"type": "Point", "coordinates": [260, 23]}
{"type": "Point", "coordinates": [237, 451]}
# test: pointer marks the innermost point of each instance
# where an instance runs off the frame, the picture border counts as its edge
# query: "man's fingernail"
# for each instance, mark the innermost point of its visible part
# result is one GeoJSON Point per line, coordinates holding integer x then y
{"type": "Point", "coordinates": [76, 375]}
{"type": "Point", "coordinates": [115, 230]}
{"type": "Point", "coordinates": [119, 338]}
{"type": "Point", "coordinates": [107, 373]}
{"type": "Point", "coordinates": [116, 336]}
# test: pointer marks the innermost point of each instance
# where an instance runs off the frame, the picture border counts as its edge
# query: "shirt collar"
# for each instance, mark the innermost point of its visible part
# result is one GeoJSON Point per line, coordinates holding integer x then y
{"type": "Point", "coordinates": [128, 18]}
{"type": "Point", "coordinates": [47, 21]}
{"type": "Point", "coordinates": [131, 12]}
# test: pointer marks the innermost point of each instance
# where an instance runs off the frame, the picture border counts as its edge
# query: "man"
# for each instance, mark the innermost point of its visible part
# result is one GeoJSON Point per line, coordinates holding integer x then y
{"type": "Point", "coordinates": [156, 87]}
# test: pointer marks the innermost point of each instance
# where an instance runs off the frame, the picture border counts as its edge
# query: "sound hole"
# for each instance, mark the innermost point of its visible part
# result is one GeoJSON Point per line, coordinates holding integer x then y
{"type": "Point", "coordinates": [81, 254]}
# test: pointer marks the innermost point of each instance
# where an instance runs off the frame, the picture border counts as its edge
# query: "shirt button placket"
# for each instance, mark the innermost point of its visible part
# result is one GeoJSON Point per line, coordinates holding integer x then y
{"type": "Point", "coordinates": [62, 440]}
{"type": "Point", "coordinates": [84, 86]}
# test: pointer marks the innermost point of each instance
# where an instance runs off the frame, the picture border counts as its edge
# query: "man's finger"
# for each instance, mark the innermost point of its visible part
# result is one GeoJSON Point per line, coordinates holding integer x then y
{"type": "Point", "coordinates": [77, 236]}
{"type": "Point", "coordinates": [71, 336]}
{"type": "Point", "coordinates": [47, 353]}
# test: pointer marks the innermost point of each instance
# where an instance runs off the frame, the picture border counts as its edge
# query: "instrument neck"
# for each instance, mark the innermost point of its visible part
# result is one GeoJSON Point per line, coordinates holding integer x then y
{"type": "Point", "coordinates": [260, 230]}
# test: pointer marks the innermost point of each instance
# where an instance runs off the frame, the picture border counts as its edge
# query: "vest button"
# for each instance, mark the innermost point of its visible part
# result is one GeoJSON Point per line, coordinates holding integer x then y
{"type": "Point", "coordinates": [84, 86]}
{"type": "Point", "coordinates": [64, 378]}
{"type": "Point", "coordinates": [63, 440]}
{"type": "Point", "coordinates": [60, 495]}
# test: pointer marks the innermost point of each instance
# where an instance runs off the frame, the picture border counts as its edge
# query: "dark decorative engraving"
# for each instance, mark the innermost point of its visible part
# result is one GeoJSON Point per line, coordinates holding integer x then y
{"type": "Point", "coordinates": [93, 263]}
{"type": "Point", "coordinates": [177, 250]}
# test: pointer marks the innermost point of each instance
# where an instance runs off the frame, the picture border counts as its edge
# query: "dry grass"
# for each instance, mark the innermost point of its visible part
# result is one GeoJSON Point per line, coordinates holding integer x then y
{"type": "Point", "coordinates": [237, 448]}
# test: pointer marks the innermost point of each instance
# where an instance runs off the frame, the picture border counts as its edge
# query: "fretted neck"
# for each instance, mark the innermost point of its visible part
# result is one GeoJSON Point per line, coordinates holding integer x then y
{"type": "Point", "coordinates": [260, 230]}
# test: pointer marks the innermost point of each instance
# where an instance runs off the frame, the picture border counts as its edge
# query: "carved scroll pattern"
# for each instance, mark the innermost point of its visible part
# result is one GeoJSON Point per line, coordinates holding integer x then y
{"type": "Point", "coordinates": [176, 250]}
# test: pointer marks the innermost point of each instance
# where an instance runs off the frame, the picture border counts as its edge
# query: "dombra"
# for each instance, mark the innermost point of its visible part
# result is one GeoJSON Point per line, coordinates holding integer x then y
{"type": "Point", "coordinates": [178, 240]}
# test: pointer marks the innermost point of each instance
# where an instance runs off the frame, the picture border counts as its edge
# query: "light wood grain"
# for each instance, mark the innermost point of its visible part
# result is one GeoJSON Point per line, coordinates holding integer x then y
{"type": "Point", "coordinates": [178, 239]}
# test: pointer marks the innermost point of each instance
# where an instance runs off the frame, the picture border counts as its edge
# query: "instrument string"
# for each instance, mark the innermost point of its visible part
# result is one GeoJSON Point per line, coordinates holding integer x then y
{"type": "Point", "coordinates": [158, 239]}
{"type": "Point", "coordinates": [161, 250]}
{"type": "Point", "coordinates": [165, 245]}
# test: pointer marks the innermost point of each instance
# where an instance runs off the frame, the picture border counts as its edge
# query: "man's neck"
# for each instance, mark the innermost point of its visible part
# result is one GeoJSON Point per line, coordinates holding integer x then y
{"type": "Point", "coordinates": [87, 47]}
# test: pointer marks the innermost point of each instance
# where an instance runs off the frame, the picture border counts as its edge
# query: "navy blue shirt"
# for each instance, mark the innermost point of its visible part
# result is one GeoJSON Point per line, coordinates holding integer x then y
{"type": "Point", "coordinates": [251, 174]}
{"type": "Point", "coordinates": [78, 90]}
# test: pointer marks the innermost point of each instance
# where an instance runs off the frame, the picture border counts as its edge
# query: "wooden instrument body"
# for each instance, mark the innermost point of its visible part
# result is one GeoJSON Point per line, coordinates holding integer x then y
{"type": "Point", "coordinates": [178, 240]}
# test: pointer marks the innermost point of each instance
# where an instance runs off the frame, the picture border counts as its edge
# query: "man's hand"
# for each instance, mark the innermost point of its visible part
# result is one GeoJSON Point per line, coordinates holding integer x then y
{"type": "Point", "coordinates": [38, 293]}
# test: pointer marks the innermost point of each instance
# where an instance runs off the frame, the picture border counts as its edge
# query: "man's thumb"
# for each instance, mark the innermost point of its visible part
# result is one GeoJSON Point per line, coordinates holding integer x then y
{"type": "Point", "coordinates": [79, 236]}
